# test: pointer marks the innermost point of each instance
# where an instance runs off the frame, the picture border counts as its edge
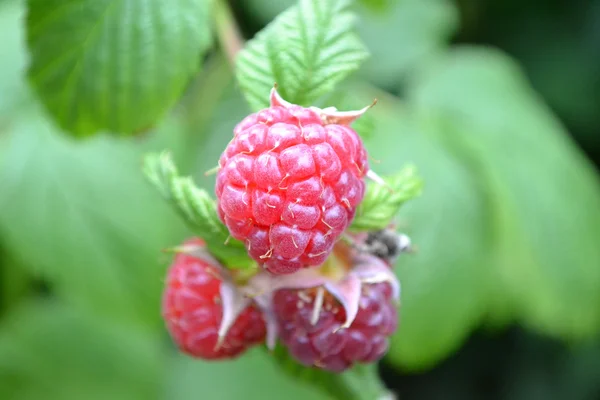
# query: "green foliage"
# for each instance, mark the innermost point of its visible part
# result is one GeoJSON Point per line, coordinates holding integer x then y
{"type": "Point", "coordinates": [443, 283]}
{"type": "Point", "coordinates": [505, 230]}
{"type": "Point", "coordinates": [399, 34]}
{"type": "Point", "coordinates": [15, 282]}
{"type": "Point", "coordinates": [404, 35]}
{"type": "Point", "coordinates": [65, 217]}
{"type": "Point", "coordinates": [50, 351]}
{"type": "Point", "coordinates": [382, 202]}
{"type": "Point", "coordinates": [378, 5]}
{"type": "Point", "coordinates": [116, 66]}
{"type": "Point", "coordinates": [13, 55]}
{"type": "Point", "coordinates": [544, 195]}
{"type": "Point", "coordinates": [266, 10]}
{"type": "Point", "coordinates": [254, 376]}
{"type": "Point", "coordinates": [359, 383]}
{"type": "Point", "coordinates": [306, 50]}
{"type": "Point", "coordinates": [197, 208]}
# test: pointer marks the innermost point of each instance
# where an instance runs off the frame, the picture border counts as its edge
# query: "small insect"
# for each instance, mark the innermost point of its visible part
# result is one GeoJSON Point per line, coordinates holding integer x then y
{"type": "Point", "coordinates": [386, 244]}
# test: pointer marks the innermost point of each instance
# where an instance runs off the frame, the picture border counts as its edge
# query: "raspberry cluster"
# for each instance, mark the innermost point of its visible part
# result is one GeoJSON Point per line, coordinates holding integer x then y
{"type": "Point", "coordinates": [288, 186]}
{"type": "Point", "coordinates": [326, 322]}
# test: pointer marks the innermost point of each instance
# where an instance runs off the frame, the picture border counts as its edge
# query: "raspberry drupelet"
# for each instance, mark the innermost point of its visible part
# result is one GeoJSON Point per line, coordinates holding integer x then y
{"type": "Point", "coordinates": [193, 311]}
{"type": "Point", "coordinates": [289, 183]}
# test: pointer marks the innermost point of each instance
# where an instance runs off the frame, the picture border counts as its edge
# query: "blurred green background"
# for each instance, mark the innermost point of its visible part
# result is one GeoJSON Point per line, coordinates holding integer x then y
{"type": "Point", "coordinates": [496, 102]}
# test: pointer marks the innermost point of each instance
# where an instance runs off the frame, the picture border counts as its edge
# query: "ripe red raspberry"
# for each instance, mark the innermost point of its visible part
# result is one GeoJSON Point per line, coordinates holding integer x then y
{"type": "Point", "coordinates": [289, 183]}
{"type": "Point", "coordinates": [314, 338]}
{"type": "Point", "coordinates": [193, 310]}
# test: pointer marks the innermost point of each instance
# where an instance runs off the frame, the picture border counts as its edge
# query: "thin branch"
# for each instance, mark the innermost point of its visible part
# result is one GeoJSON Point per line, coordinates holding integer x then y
{"type": "Point", "coordinates": [228, 32]}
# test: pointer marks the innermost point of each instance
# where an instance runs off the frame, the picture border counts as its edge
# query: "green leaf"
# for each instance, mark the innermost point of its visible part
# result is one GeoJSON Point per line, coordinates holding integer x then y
{"type": "Point", "coordinates": [382, 202]}
{"type": "Point", "coordinates": [15, 282]}
{"type": "Point", "coordinates": [14, 58]}
{"type": "Point", "coordinates": [306, 50]}
{"type": "Point", "coordinates": [359, 383]}
{"type": "Point", "coordinates": [379, 5]}
{"type": "Point", "coordinates": [544, 193]}
{"type": "Point", "coordinates": [49, 351]}
{"type": "Point", "coordinates": [403, 36]}
{"type": "Point", "coordinates": [444, 287]}
{"type": "Point", "coordinates": [266, 10]}
{"type": "Point", "coordinates": [261, 375]}
{"type": "Point", "coordinates": [114, 65]}
{"type": "Point", "coordinates": [254, 376]}
{"type": "Point", "coordinates": [197, 208]}
{"type": "Point", "coordinates": [81, 216]}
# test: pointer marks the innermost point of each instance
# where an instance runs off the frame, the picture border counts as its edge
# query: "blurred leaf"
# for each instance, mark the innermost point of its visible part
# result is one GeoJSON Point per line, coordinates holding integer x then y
{"type": "Point", "coordinates": [557, 45]}
{"type": "Point", "coordinates": [382, 202]}
{"type": "Point", "coordinates": [114, 65]}
{"type": "Point", "coordinates": [197, 208]}
{"type": "Point", "coordinates": [307, 50]}
{"type": "Point", "coordinates": [364, 126]}
{"type": "Point", "coordinates": [13, 88]}
{"type": "Point", "coordinates": [15, 282]}
{"type": "Point", "coordinates": [379, 5]}
{"type": "Point", "coordinates": [576, 100]}
{"type": "Point", "coordinates": [403, 35]}
{"type": "Point", "coordinates": [444, 283]}
{"type": "Point", "coordinates": [265, 10]}
{"type": "Point", "coordinates": [543, 369]}
{"type": "Point", "coordinates": [359, 383]}
{"type": "Point", "coordinates": [579, 372]}
{"type": "Point", "coordinates": [82, 216]}
{"type": "Point", "coordinates": [48, 351]}
{"type": "Point", "coordinates": [544, 194]}
{"type": "Point", "coordinates": [254, 376]}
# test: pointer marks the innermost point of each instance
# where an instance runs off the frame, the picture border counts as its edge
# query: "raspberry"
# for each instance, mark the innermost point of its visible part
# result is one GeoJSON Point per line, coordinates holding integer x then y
{"type": "Point", "coordinates": [193, 310]}
{"type": "Point", "coordinates": [289, 183]}
{"type": "Point", "coordinates": [317, 338]}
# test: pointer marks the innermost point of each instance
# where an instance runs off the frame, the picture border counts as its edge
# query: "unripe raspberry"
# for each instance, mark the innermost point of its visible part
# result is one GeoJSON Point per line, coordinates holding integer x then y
{"type": "Point", "coordinates": [289, 183]}
{"type": "Point", "coordinates": [318, 339]}
{"type": "Point", "coordinates": [335, 315]}
{"type": "Point", "coordinates": [193, 311]}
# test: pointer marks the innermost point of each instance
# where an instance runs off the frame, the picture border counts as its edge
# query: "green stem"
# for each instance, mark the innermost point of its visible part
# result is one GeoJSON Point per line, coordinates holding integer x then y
{"type": "Point", "coordinates": [361, 382]}
{"type": "Point", "coordinates": [228, 32]}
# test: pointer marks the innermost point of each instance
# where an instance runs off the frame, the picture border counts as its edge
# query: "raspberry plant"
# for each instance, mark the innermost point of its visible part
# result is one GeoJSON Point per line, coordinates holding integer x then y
{"type": "Point", "coordinates": [293, 266]}
{"type": "Point", "coordinates": [287, 188]}
{"type": "Point", "coordinates": [330, 303]}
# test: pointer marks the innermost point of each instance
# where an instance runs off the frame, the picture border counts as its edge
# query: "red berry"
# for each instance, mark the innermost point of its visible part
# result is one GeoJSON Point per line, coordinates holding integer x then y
{"type": "Point", "coordinates": [319, 342]}
{"type": "Point", "coordinates": [193, 311]}
{"type": "Point", "coordinates": [289, 184]}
